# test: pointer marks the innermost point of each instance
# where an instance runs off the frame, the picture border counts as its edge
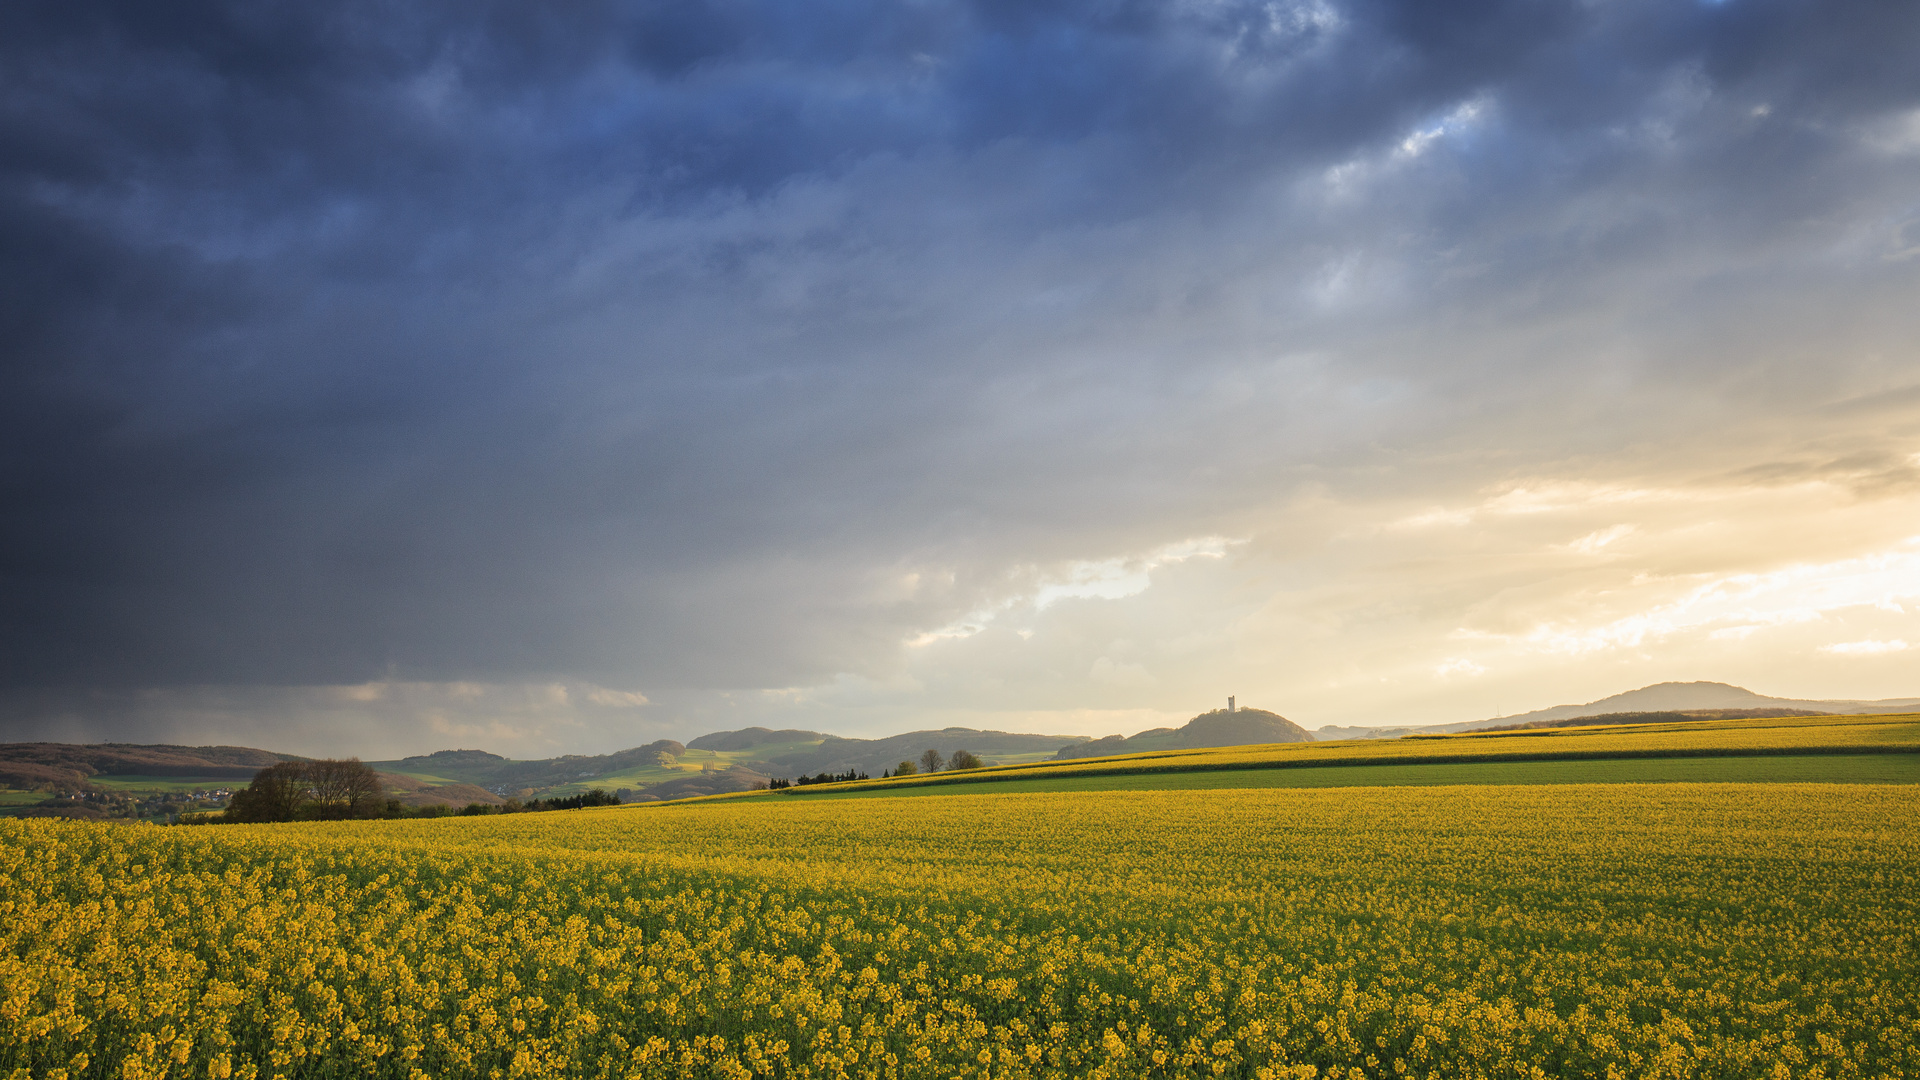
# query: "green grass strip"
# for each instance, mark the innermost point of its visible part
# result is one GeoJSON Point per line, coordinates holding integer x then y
{"type": "Point", "coordinates": [1899, 768]}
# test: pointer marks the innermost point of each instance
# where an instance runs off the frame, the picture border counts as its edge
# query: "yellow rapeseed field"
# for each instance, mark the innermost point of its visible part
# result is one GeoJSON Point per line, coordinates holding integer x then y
{"type": "Point", "coordinates": [1780, 736]}
{"type": "Point", "coordinates": [1605, 931]}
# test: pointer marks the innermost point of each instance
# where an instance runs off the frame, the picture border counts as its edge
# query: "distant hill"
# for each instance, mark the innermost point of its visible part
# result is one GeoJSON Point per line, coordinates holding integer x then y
{"type": "Point", "coordinates": [69, 765]}
{"type": "Point", "coordinates": [412, 792]}
{"type": "Point", "coordinates": [718, 762]}
{"type": "Point", "coordinates": [1687, 696]}
{"type": "Point", "coordinates": [798, 753]}
{"type": "Point", "coordinates": [1659, 697]}
{"type": "Point", "coordinates": [1663, 717]}
{"type": "Point", "coordinates": [507, 777]}
{"type": "Point", "coordinates": [1241, 727]}
{"type": "Point", "coordinates": [737, 778]}
{"type": "Point", "coordinates": [456, 760]}
{"type": "Point", "coordinates": [748, 738]}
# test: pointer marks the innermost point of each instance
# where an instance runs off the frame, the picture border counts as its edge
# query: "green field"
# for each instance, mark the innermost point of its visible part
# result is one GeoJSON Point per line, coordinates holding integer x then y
{"type": "Point", "coordinates": [1821, 768]}
{"type": "Point", "coordinates": [691, 763]}
{"type": "Point", "coordinates": [155, 785]}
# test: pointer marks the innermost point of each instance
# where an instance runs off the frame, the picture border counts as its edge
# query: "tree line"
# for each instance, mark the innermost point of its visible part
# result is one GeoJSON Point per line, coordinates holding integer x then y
{"type": "Point", "coordinates": [334, 789]}
{"type": "Point", "coordinates": [823, 778]}
{"type": "Point", "coordinates": [930, 762]}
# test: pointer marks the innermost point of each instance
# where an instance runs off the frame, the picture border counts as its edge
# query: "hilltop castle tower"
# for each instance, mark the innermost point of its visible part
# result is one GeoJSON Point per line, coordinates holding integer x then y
{"type": "Point", "coordinates": [1229, 702]}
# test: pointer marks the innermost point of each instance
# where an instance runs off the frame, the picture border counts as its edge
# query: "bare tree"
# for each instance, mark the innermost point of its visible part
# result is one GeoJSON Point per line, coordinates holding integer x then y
{"type": "Point", "coordinates": [342, 789]}
{"type": "Point", "coordinates": [931, 761]}
{"type": "Point", "coordinates": [275, 793]}
{"type": "Point", "coordinates": [310, 789]}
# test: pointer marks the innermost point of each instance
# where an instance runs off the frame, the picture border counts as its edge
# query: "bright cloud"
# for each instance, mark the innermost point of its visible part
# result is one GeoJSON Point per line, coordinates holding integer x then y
{"type": "Point", "coordinates": [1114, 579]}
{"type": "Point", "coordinates": [1795, 594]}
{"type": "Point", "coordinates": [1104, 579]}
{"type": "Point", "coordinates": [1594, 542]}
{"type": "Point", "coordinates": [1865, 648]}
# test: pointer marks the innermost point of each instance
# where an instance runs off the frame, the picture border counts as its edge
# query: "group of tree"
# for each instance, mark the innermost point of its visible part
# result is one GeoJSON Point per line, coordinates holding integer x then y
{"type": "Point", "coordinates": [324, 790]}
{"type": "Point", "coordinates": [335, 790]}
{"type": "Point", "coordinates": [932, 762]}
{"type": "Point", "coordinates": [596, 797]}
{"type": "Point", "coordinates": [823, 778]}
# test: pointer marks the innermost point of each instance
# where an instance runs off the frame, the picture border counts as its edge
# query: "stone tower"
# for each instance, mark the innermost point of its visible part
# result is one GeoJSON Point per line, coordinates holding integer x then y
{"type": "Point", "coordinates": [1229, 702]}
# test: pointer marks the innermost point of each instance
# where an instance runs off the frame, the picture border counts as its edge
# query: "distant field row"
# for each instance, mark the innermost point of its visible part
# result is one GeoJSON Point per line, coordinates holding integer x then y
{"type": "Point", "coordinates": [1376, 761]}
{"type": "Point", "coordinates": [1805, 768]}
{"type": "Point", "coordinates": [1798, 769]}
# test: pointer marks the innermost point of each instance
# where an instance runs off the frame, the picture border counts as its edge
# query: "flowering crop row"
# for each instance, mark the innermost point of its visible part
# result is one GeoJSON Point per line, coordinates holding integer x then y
{"type": "Point", "coordinates": [1786, 736]}
{"type": "Point", "coordinates": [1607, 931]}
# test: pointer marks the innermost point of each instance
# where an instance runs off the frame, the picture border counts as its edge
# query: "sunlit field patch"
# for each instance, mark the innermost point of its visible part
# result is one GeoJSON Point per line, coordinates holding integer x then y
{"type": "Point", "coordinates": [1673, 930]}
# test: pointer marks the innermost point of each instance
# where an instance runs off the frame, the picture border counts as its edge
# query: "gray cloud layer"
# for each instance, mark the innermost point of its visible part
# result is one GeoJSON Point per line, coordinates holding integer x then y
{"type": "Point", "coordinates": [691, 348]}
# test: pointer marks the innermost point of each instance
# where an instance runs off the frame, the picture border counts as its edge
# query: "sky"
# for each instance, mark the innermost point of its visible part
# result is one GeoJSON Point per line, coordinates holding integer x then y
{"type": "Point", "coordinates": [379, 378]}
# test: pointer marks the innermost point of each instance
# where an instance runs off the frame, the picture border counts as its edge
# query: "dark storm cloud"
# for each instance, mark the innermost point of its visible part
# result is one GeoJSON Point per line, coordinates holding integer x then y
{"type": "Point", "coordinates": [659, 343]}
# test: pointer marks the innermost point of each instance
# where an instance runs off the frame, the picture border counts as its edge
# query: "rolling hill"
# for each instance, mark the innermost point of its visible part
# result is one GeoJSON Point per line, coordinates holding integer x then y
{"type": "Point", "coordinates": [69, 766]}
{"type": "Point", "coordinates": [1240, 727]}
{"type": "Point", "coordinates": [833, 754]}
{"type": "Point", "coordinates": [716, 763]}
{"type": "Point", "coordinates": [508, 777]}
{"type": "Point", "coordinates": [1685, 697]}
{"type": "Point", "coordinates": [735, 761]}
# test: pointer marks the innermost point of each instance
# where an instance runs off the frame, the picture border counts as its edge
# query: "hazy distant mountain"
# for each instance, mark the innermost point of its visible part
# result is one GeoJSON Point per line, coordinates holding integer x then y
{"type": "Point", "coordinates": [1660, 697]}
{"type": "Point", "coordinates": [1241, 727]}
{"type": "Point", "coordinates": [754, 754]}
{"type": "Point", "coordinates": [68, 765]}
{"type": "Point", "coordinates": [1676, 696]}
{"type": "Point", "coordinates": [1663, 716]}
{"type": "Point", "coordinates": [458, 777]}
{"type": "Point", "coordinates": [506, 776]}
{"type": "Point", "coordinates": [1337, 732]}
{"type": "Point", "coordinates": [748, 738]}
{"type": "Point", "coordinates": [832, 754]}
